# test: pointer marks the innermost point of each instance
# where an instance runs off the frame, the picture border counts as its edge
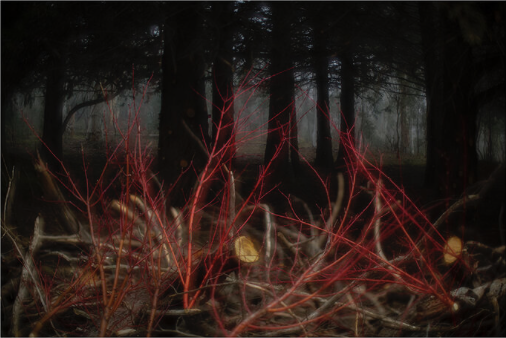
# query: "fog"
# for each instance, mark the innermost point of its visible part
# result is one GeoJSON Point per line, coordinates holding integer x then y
{"type": "Point", "coordinates": [376, 127]}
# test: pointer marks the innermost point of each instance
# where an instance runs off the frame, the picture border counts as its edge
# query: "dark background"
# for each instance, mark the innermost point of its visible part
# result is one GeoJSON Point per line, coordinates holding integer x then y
{"type": "Point", "coordinates": [419, 81]}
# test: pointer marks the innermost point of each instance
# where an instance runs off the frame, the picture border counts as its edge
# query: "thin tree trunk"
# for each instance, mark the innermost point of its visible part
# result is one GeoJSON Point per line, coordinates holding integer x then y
{"type": "Point", "coordinates": [53, 106]}
{"type": "Point", "coordinates": [94, 132]}
{"type": "Point", "coordinates": [404, 141]}
{"type": "Point", "coordinates": [223, 90]}
{"type": "Point", "coordinates": [294, 141]}
{"type": "Point", "coordinates": [71, 113]}
{"type": "Point", "coordinates": [347, 109]}
{"type": "Point", "coordinates": [398, 126]}
{"type": "Point", "coordinates": [323, 137]}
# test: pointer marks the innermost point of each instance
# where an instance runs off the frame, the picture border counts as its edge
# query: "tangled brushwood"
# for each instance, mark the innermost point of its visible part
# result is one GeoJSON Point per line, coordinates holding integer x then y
{"type": "Point", "coordinates": [230, 265]}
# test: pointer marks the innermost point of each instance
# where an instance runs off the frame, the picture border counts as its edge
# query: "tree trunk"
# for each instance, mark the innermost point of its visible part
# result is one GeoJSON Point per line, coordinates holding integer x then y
{"type": "Point", "coordinates": [458, 147]}
{"type": "Point", "coordinates": [94, 132]}
{"type": "Point", "coordinates": [71, 114]}
{"type": "Point", "coordinates": [452, 109]}
{"type": "Point", "coordinates": [6, 118]}
{"type": "Point", "coordinates": [404, 141]}
{"type": "Point", "coordinates": [111, 118]}
{"type": "Point", "coordinates": [487, 124]}
{"type": "Point", "coordinates": [281, 101]}
{"type": "Point", "coordinates": [347, 110]}
{"type": "Point", "coordinates": [433, 88]}
{"type": "Point", "coordinates": [294, 140]}
{"type": "Point", "coordinates": [223, 90]}
{"type": "Point", "coordinates": [398, 102]}
{"type": "Point", "coordinates": [324, 158]}
{"type": "Point", "coordinates": [53, 106]}
{"type": "Point", "coordinates": [182, 107]}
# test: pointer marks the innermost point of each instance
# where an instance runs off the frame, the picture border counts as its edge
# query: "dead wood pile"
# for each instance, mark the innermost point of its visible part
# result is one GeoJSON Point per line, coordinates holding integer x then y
{"type": "Point", "coordinates": [131, 266]}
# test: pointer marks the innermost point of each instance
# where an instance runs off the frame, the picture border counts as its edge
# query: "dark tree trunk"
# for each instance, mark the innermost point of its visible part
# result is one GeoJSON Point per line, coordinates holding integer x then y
{"type": "Point", "coordinates": [182, 107]}
{"type": "Point", "coordinates": [458, 145]}
{"type": "Point", "coordinates": [433, 88]}
{"type": "Point", "coordinates": [347, 110]}
{"type": "Point", "coordinates": [324, 158]}
{"type": "Point", "coordinates": [53, 105]}
{"type": "Point", "coordinates": [489, 143]}
{"type": "Point", "coordinates": [281, 101]}
{"type": "Point", "coordinates": [294, 141]}
{"type": "Point", "coordinates": [6, 117]}
{"type": "Point", "coordinates": [402, 125]}
{"type": "Point", "coordinates": [397, 147]}
{"type": "Point", "coordinates": [223, 90]}
{"type": "Point", "coordinates": [404, 122]}
{"type": "Point", "coordinates": [84, 104]}
{"type": "Point", "coordinates": [451, 107]}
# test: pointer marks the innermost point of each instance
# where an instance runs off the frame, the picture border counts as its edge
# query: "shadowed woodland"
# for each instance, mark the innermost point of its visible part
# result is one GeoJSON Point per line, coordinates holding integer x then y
{"type": "Point", "coordinates": [253, 168]}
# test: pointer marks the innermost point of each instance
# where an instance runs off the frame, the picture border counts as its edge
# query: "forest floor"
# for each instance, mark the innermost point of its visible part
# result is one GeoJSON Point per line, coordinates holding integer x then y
{"type": "Point", "coordinates": [407, 171]}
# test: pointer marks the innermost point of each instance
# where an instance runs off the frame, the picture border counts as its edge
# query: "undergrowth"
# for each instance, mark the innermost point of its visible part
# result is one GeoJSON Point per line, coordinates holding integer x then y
{"type": "Point", "coordinates": [128, 264]}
